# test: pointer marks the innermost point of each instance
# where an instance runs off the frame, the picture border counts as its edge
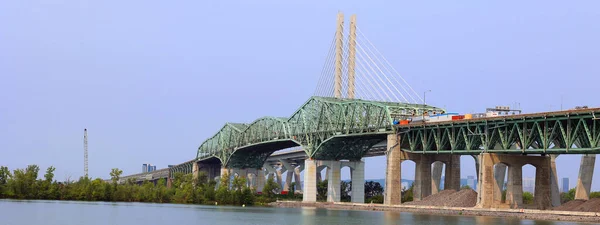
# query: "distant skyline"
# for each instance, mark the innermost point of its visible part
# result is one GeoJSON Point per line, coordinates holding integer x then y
{"type": "Point", "coordinates": [152, 80]}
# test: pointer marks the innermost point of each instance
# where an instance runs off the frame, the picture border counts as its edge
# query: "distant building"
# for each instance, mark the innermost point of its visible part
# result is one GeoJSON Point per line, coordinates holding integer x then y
{"type": "Point", "coordinates": [148, 168]}
{"type": "Point", "coordinates": [565, 184]}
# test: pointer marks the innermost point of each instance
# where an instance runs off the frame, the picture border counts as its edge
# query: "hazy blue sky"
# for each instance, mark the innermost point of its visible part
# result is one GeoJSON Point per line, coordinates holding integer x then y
{"type": "Point", "coordinates": [151, 80]}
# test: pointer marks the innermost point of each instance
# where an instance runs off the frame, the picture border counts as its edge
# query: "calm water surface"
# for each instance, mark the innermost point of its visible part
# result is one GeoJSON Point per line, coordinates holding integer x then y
{"type": "Point", "coordinates": [101, 213]}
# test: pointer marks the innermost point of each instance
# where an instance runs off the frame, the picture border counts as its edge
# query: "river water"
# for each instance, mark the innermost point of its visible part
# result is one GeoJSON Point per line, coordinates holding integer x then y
{"type": "Point", "coordinates": [14, 212]}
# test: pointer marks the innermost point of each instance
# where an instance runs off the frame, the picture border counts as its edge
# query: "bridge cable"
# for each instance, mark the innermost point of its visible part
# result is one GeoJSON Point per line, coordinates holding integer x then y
{"type": "Point", "coordinates": [383, 74]}
{"type": "Point", "coordinates": [321, 88]}
{"type": "Point", "coordinates": [388, 63]}
{"type": "Point", "coordinates": [375, 75]}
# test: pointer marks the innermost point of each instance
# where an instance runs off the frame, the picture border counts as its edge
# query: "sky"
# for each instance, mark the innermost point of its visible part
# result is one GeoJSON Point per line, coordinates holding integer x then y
{"type": "Point", "coordinates": [151, 80]}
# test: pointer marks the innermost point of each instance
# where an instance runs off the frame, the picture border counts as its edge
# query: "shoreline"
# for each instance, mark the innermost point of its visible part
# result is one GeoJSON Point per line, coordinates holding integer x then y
{"type": "Point", "coordinates": [531, 214]}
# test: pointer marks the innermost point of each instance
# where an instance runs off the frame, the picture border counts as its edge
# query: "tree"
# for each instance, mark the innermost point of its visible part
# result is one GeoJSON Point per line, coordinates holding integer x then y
{"type": "Point", "coordinates": [346, 190]}
{"type": "Point", "coordinates": [322, 190]}
{"type": "Point", "coordinates": [223, 196]}
{"type": "Point", "coordinates": [115, 174]}
{"type": "Point", "coordinates": [407, 194]}
{"type": "Point", "coordinates": [4, 177]}
{"type": "Point", "coordinates": [373, 189]}
{"type": "Point", "coordinates": [270, 187]}
{"type": "Point", "coordinates": [527, 198]}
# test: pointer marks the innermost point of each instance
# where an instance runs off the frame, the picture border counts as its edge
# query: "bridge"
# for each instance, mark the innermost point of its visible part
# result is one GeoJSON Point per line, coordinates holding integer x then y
{"type": "Point", "coordinates": [367, 109]}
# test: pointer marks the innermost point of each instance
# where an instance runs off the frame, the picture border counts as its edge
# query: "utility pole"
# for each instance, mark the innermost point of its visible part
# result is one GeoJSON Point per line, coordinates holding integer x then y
{"type": "Point", "coordinates": [337, 85]}
{"type": "Point", "coordinates": [85, 153]}
{"type": "Point", "coordinates": [351, 56]}
{"type": "Point", "coordinates": [424, 103]}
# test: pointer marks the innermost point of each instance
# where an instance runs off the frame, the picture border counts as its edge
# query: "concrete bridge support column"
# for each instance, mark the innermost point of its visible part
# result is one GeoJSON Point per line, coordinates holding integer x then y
{"type": "Point", "coordinates": [195, 170]}
{"type": "Point", "coordinates": [514, 187]}
{"type": "Point", "coordinates": [288, 180]}
{"type": "Point", "coordinates": [555, 193]}
{"type": "Point", "coordinates": [584, 181]}
{"type": "Point", "coordinates": [357, 174]}
{"type": "Point", "coordinates": [452, 176]}
{"type": "Point", "coordinates": [436, 176]}
{"type": "Point", "coordinates": [333, 183]}
{"type": "Point", "coordinates": [279, 179]}
{"type": "Point", "coordinates": [260, 182]}
{"type": "Point", "coordinates": [224, 172]}
{"type": "Point", "coordinates": [487, 188]}
{"type": "Point", "coordinates": [289, 175]}
{"type": "Point", "coordinates": [542, 195]}
{"type": "Point", "coordinates": [297, 172]}
{"type": "Point", "coordinates": [499, 175]}
{"type": "Point", "coordinates": [422, 183]}
{"type": "Point", "coordinates": [393, 185]}
{"type": "Point", "coordinates": [310, 181]}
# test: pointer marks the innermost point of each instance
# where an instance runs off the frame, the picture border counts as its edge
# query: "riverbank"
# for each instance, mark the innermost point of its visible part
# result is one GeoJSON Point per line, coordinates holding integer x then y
{"type": "Point", "coordinates": [531, 214]}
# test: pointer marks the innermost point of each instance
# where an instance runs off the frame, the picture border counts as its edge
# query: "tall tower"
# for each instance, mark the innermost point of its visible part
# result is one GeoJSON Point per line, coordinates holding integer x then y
{"type": "Point", "coordinates": [337, 85]}
{"type": "Point", "coordinates": [85, 153]}
{"type": "Point", "coordinates": [351, 56]}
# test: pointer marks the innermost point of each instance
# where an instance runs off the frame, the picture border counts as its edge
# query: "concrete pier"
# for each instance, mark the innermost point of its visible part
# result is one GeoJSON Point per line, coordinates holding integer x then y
{"type": "Point", "coordinates": [555, 193]}
{"type": "Point", "coordinates": [393, 185]}
{"type": "Point", "coordinates": [357, 174]}
{"type": "Point", "coordinates": [310, 181]}
{"type": "Point", "coordinates": [260, 181]}
{"type": "Point", "coordinates": [333, 183]}
{"type": "Point", "coordinates": [452, 173]}
{"type": "Point", "coordinates": [499, 175]}
{"type": "Point", "coordinates": [487, 188]}
{"type": "Point", "coordinates": [297, 171]}
{"type": "Point", "coordinates": [584, 181]}
{"type": "Point", "coordinates": [422, 183]}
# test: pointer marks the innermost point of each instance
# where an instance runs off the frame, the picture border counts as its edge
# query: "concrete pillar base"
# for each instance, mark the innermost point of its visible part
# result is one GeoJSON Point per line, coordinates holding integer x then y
{"type": "Point", "coordinates": [436, 176]}
{"type": "Point", "coordinates": [333, 182]}
{"type": "Point", "coordinates": [310, 181]}
{"type": "Point", "coordinates": [488, 185]}
{"type": "Point", "coordinates": [422, 183]}
{"type": "Point", "coordinates": [357, 173]}
{"type": "Point", "coordinates": [584, 181]}
{"type": "Point", "coordinates": [260, 180]}
{"type": "Point", "coordinates": [393, 185]}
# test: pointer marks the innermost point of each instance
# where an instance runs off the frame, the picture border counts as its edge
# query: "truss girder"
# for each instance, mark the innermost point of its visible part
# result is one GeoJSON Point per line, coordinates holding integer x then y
{"type": "Point", "coordinates": [313, 124]}
{"type": "Point", "coordinates": [559, 133]}
{"type": "Point", "coordinates": [185, 168]}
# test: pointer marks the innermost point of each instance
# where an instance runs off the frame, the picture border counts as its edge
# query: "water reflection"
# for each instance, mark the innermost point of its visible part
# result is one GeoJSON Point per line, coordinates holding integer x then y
{"type": "Point", "coordinates": [51, 213]}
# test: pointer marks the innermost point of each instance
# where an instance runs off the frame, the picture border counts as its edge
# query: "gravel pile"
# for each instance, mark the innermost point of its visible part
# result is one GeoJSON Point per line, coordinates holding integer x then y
{"type": "Point", "coordinates": [569, 206]}
{"type": "Point", "coordinates": [463, 198]}
{"type": "Point", "coordinates": [592, 205]}
{"type": "Point", "coordinates": [450, 198]}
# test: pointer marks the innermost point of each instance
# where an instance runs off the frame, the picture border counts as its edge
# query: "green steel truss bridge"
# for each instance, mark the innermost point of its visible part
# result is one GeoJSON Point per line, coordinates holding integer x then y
{"type": "Point", "coordinates": [326, 128]}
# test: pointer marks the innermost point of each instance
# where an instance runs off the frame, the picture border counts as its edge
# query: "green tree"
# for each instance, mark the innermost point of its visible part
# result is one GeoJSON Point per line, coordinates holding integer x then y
{"type": "Point", "coordinates": [373, 189]}
{"type": "Point", "coordinates": [407, 194]}
{"type": "Point", "coordinates": [322, 190]}
{"type": "Point", "coordinates": [346, 190]}
{"type": "Point", "coordinates": [4, 177]}
{"type": "Point", "coordinates": [271, 187]}
{"type": "Point", "coordinates": [223, 195]}
{"type": "Point", "coordinates": [527, 198]}
{"type": "Point", "coordinates": [567, 196]}
{"type": "Point", "coordinates": [115, 175]}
